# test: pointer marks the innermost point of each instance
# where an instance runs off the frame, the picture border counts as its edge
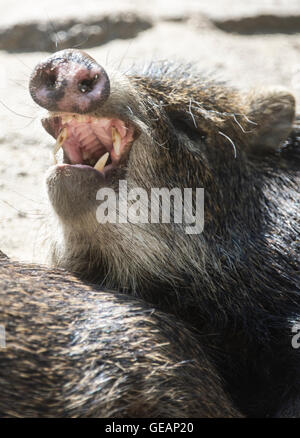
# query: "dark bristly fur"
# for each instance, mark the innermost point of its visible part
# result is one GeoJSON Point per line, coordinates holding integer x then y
{"type": "Point", "coordinates": [73, 350]}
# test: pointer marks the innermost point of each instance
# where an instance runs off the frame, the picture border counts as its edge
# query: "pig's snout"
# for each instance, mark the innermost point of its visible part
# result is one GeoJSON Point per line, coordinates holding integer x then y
{"type": "Point", "coordinates": [70, 81]}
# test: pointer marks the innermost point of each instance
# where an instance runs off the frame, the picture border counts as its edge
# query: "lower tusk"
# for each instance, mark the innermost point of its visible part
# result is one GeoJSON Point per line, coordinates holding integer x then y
{"type": "Point", "coordinates": [101, 162]}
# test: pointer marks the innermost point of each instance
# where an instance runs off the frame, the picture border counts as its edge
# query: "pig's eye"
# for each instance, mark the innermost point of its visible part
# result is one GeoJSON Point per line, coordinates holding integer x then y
{"type": "Point", "coordinates": [189, 129]}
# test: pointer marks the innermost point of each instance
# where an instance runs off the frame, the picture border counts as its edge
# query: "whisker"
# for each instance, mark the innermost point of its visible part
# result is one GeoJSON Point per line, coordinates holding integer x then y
{"type": "Point", "coordinates": [192, 115]}
{"type": "Point", "coordinates": [15, 113]}
{"type": "Point", "coordinates": [233, 145]}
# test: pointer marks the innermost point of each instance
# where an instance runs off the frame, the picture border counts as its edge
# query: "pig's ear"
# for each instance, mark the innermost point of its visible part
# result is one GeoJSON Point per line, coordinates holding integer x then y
{"type": "Point", "coordinates": [271, 112]}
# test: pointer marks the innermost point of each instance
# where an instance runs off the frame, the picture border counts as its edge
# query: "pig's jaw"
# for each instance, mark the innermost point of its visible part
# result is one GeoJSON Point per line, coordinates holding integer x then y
{"type": "Point", "coordinates": [102, 143]}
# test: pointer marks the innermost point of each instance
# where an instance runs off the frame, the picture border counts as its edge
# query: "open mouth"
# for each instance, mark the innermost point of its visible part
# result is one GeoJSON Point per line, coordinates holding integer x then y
{"type": "Point", "coordinates": [99, 142]}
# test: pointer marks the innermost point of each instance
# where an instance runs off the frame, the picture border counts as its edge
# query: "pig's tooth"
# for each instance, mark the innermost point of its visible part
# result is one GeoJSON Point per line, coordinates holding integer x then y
{"type": "Point", "coordinates": [101, 162]}
{"type": "Point", "coordinates": [66, 119]}
{"type": "Point", "coordinates": [116, 139]}
{"type": "Point", "coordinates": [85, 155]}
{"type": "Point", "coordinates": [59, 142]}
{"type": "Point", "coordinates": [81, 118]}
{"type": "Point", "coordinates": [62, 137]}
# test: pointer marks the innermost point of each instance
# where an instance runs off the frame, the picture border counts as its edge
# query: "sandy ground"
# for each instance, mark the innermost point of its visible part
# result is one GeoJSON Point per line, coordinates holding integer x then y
{"type": "Point", "coordinates": [244, 60]}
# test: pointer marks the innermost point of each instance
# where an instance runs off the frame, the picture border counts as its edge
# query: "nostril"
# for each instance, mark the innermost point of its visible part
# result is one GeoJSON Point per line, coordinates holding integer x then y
{"type": "Point", "coordinates": [51, 81]}
{"type": "Point", "coordinates": [45, 78]}
{"type": "Point", "coordinates": [87, 85]}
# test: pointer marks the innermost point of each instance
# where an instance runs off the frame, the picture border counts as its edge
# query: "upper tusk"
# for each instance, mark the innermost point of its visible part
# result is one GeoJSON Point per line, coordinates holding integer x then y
{"type": "Point", "coordinates": [116, 139]}
{"type": "Point", "coordinates": [63, 135]}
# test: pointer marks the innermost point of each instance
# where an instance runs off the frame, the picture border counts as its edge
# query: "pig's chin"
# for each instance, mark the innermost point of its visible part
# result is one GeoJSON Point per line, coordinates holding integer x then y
{"type": "Point", "coordinates": [72, 190]}
{"type": "Point", "coordinates": [95, 144]}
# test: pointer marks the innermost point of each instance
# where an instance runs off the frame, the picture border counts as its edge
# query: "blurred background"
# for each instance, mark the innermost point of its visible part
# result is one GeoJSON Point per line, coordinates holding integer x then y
{"type": "Point", "coordinates": [247, 43]}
